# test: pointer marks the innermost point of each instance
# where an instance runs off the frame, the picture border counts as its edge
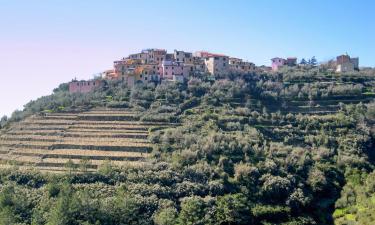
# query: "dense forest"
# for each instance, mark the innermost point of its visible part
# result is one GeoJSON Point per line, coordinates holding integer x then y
{"type": "Point", "coordinates": [293, 147]}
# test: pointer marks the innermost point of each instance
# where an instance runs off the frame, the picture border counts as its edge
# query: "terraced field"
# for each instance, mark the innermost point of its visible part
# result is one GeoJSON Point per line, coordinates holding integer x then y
{"type": "Point", "coordinates": [60, 141]}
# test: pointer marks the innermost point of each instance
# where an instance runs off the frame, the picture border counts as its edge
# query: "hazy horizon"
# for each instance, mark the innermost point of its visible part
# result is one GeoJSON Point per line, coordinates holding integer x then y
{"type": "Point", "coordinates": [43, 44]}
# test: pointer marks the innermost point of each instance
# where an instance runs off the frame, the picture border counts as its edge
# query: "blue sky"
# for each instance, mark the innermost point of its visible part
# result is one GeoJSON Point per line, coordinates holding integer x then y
{"type": "Point", "coordinates": [45, 43]}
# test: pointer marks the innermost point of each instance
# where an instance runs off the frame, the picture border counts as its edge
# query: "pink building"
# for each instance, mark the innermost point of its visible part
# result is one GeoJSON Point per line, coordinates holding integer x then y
{"type": "Point", "coordinates": [280, 62]}
{"type": "Point", "coordinates": [277, 62]}
{"type": "Point", "coordinates": [84, 86]}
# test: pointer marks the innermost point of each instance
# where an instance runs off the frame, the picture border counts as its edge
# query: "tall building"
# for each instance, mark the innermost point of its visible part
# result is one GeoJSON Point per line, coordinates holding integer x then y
{"type": "Point", "coordinates": [346, 64]}
{"type": "Point", "coordinates": [216, 64]}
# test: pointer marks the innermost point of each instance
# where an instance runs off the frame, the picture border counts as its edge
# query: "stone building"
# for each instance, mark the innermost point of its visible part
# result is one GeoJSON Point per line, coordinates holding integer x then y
{"type": "Point", "coordinates": [238, 66]}
{"type": "Point", "coordinates": [84, 86]}
{"type": "Point", "coordinates": [346, 64]}
{"type": "Point", "coordinates": [216, 64]}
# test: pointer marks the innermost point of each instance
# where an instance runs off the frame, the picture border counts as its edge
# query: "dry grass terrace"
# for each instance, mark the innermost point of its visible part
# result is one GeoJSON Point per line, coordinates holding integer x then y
{"type": "Point", "coordinates": [72, 139]}
{"type": "Point", "coordinates": [118, 144]}
{"type": "Point", "coordinates": [48, 142]}
{"type": "Point", "coordinates": [63, 121]}
{"type": "Point", "coordinates": [81, 153]}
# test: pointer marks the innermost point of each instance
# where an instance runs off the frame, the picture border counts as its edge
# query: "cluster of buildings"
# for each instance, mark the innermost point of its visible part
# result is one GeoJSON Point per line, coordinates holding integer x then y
{"type": "Point", "coordinates": [157, 65]}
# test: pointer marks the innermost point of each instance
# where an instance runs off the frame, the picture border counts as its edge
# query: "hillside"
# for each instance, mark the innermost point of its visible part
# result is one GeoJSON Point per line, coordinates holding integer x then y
{"type": "Point", "coordinates": [292, 147]}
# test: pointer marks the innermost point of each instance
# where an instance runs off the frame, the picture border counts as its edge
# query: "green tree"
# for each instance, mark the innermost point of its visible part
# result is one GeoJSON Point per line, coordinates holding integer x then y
{"type": "Point", "coordinates": [166, 216]}
{"type": "Point", "coordinates": [192, 211]}
{"type": "Point", "coordinates": [313, 61]}
{"type": "Point", "coordinates": [232, 209]}
{"type": "Point", "coordinates": [66, 208]}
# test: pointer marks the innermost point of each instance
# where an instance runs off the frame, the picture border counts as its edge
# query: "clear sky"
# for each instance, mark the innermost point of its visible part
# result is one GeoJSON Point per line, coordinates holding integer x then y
{"type": "Point", "coordinates": [44, 43]}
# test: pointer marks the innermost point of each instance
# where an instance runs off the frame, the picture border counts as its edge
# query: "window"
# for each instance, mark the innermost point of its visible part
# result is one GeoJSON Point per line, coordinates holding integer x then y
{"type": "Point", "coordinates": [172, 73]}
{"type": "Point", "coordinates": [122, 73]}
{"type": "Point", "coordinates": [166, 67]}
{"type": "Point", "coordinates": [172, 68]}
{"type": "Point", "coordinates": [145, 78]}
{"type": "Point", "coordinates": [166, 73]}
{"type": "Point", "coordinates": [224, 64]}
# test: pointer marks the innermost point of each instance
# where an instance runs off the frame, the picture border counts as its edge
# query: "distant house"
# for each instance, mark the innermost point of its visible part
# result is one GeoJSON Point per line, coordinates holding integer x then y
{"type": "Point", "coordinates": [170, 69]}
{"type": "Point", "coordinates": [183, 57]}
{"type": "Point", "coordinates": [238, 66]}
{"type": "Point", "coordinates": [291, 61]}
{"type": "Point", "coordinates": [277, 63]}
{"type": "Point", "coordinates": [216, 64]}
{"type": "Point", "coordinates": [84, 86]}
{"type": "Point", "coordinates": [280, 62]}
{"type": "Point", "coordinates": [346, 64]}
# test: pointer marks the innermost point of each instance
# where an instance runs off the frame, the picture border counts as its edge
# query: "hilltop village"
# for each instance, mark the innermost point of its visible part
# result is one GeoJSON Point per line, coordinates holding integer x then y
{"type": "Point", "coordinates": [285, 144]}
{"type": "Point", "coordinates": [157, 65]}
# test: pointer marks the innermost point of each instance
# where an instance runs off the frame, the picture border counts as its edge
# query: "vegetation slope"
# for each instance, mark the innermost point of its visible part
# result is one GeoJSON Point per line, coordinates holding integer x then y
{"type": "Point", "coordinates": [294, 147]}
